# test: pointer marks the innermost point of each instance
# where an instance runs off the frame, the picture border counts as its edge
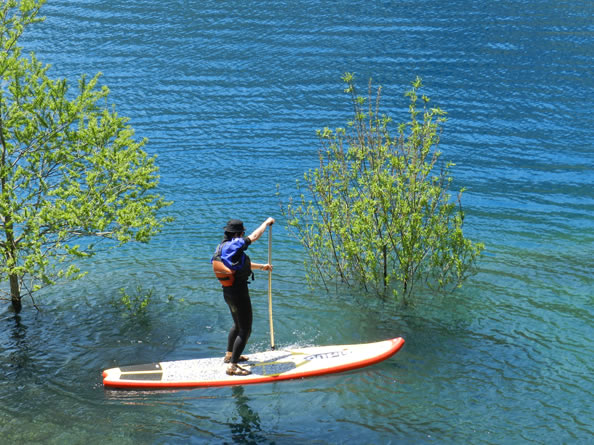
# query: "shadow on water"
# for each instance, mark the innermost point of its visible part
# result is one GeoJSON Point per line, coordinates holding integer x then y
{"type": "Point", "coordinates": [246, 429]}
{"type": "Point", "coordinates": [244, 424]}
{"type": "Point", "coordinates": [16, 354]}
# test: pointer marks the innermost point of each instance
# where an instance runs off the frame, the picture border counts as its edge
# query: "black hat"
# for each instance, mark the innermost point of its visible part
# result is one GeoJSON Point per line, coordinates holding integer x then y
{"type": "Point", "coordinates": [234, 226]}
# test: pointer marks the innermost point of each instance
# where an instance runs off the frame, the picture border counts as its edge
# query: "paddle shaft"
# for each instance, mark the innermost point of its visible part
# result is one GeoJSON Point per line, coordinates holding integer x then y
{"type": "Point", "coordinates": [270, 288]}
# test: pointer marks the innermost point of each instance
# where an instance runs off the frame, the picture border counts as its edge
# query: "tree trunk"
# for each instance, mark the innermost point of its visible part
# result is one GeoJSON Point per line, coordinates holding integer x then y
{"type": "Point", "coordinates": [15, 293]}
{"type": "Point", "coordinates": [10, 255]}
{"type": "Point", "coordinates": [385, 252]}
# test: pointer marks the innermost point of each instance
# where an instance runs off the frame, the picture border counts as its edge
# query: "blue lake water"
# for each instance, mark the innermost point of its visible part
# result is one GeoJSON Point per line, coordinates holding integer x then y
{"type": "Point", "coordinates": [230, 95]}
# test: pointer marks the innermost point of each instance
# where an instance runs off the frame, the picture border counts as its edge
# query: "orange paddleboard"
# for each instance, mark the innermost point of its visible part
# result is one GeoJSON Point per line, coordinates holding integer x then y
{"type": "Point", "coordinates": [265, 367]}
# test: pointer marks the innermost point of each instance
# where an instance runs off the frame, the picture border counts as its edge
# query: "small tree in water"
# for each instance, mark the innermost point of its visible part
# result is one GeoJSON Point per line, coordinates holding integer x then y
{"type": "Point", "coordinates": [377, 212]}
{"type": "Point", "coordinates": [70, 170]}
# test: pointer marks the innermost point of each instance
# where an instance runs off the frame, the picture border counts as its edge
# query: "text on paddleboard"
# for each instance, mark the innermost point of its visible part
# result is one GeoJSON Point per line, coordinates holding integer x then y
{"type": "Point", "coordinates": [326, 355]}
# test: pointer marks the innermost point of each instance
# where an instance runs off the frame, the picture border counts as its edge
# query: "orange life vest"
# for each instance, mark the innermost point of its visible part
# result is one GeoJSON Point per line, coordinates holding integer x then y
{"type": "Point", "coordinates": [225, 275]}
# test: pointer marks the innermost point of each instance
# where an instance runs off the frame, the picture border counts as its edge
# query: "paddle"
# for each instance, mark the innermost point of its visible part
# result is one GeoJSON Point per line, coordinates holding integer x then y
{"type": "Point", "coordinates": [270, 287]}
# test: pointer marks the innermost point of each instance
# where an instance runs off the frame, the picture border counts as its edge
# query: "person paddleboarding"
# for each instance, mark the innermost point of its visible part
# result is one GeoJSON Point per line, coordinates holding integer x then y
{"type": "Point", "coordinates": [233, 268]}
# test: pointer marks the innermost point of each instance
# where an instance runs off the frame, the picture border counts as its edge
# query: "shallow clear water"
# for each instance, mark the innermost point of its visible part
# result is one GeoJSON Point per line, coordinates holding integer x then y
{"type": "Point", "coordinates": [230, 95]}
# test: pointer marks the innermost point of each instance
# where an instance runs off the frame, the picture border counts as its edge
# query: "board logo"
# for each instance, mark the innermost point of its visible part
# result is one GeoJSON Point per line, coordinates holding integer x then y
{"type": "Point", "coordinates": [327, 355]}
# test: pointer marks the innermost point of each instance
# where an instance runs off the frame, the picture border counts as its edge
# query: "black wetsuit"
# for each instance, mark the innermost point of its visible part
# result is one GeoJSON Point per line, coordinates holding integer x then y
{"type": "Point", "coordinates": [237, 297]}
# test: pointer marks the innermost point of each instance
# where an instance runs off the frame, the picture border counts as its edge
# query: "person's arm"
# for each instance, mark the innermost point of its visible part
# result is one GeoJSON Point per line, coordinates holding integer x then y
{"type": "Point", "coordinates": [260, 230]}
{"type": "Point", "coordinates": [256, 266]}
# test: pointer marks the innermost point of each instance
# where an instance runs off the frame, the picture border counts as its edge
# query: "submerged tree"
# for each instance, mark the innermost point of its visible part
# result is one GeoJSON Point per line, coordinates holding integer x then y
{"type": "Point", "coordinates": [377, 212]}
{"type": "Point", "coordinates": [70, 168]}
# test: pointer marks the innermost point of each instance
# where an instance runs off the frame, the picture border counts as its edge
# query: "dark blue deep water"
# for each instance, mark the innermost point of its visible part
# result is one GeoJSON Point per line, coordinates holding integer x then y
{"type": "Point", "coordinates": [229, 94]}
